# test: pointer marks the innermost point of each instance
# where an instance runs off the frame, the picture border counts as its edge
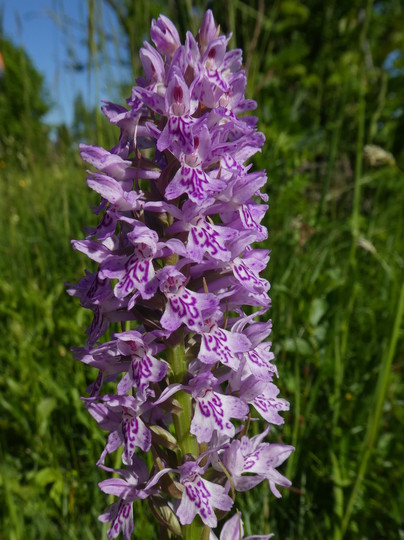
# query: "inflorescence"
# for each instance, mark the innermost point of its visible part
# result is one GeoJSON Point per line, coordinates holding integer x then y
{"type": "Point", "coordinates": [180, 210]}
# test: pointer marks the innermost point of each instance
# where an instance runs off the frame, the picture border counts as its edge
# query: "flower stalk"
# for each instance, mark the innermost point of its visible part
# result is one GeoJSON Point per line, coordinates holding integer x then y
{"type": "Point", "coordinates": [182, 421]}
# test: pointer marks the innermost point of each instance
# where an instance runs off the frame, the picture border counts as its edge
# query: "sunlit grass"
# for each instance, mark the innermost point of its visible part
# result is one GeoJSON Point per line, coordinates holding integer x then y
{"type": "Point", "coordinates": [336, 330]}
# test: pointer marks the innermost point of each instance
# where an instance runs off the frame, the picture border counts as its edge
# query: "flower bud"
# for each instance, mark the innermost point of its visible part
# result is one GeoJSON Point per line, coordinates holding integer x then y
{"type": "Point", "coordinates": [165, 36]}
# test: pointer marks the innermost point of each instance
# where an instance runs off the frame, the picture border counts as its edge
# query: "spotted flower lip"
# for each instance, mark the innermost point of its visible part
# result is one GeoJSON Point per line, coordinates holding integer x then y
{"type": "Point", "coordinates": [183, 305]}
{"type": "Point", "coordinates": [213, 410]}
{"type": "Point", "coordinates": [200, 496]}
{"type": "Point", "coordinates": [178, 291]}
{"type": "Point", "coordinates": [120, 416]}
{"type": "Point", "coordinates": [250, 461]}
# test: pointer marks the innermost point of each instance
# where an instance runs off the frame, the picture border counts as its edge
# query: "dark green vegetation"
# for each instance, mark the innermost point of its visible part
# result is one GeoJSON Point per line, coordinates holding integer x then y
{"type": "Point", "coordinates": [22, 106]}
{"type": "Point", "coordinates": [329, 80]}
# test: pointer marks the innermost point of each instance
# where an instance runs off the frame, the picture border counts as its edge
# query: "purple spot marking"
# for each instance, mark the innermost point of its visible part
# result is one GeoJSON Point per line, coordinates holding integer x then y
{"type": "Point", "coordinates": [213, 408]}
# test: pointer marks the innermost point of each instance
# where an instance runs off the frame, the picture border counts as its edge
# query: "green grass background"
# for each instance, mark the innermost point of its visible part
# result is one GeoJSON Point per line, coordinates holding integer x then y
{"type": "Point", "coordinates": [318, 71]}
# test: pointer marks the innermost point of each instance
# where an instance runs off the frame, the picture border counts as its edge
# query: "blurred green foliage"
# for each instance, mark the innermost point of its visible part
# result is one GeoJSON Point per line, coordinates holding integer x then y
{"type": "Point", "coordinates": [329, 81]}
{"type": "Point", "coordinates": [23, 103]}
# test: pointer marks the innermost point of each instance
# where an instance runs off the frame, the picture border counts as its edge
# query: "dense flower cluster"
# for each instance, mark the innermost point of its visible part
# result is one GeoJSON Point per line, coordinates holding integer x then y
{"type": "Point", "coordinates": [176, 272]}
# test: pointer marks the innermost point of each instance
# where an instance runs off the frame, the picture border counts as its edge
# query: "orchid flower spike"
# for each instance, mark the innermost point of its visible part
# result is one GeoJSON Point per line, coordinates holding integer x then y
{"type": "Point", "coordinates": [177, 294]}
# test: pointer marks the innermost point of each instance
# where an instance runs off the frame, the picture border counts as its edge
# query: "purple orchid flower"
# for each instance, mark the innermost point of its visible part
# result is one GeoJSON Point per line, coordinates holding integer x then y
{"type": "Point", "coordinates": [233, 530]}
{"type": "Point", "coordinates": [120, 415]}
{"type": "Point", "coordinates": [183, 305]}
{"type": "Point", "coordinates": [213, 409]}
{"type": "Point", "coordinates": [200, 496]}
{"type": "Point", "coordinates": [258, 460]}
{"type": "Point", "coordinates": [179, 288]}
{"type": "Point", "coordinates": [135, 484]}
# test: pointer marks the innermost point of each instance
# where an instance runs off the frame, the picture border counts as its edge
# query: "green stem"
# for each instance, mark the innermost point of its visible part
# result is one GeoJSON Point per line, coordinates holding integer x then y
{"type": "Point", "coordinates": [358, 162]}
{"type": "Point", "coordinates": [335, 142]}
{"type": "Point", "coordinates": [182, 421]}
{"type": "Point", "coordinates": [375, 415]}
{"type": "Point", "coordinates": [338, 495]}
{"type": "Point", "coordinates": [188, 444]}
{"type": "Point", "coordinates": [296, 423]}
{"type": "Point", "coordinates": [355, 220]}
